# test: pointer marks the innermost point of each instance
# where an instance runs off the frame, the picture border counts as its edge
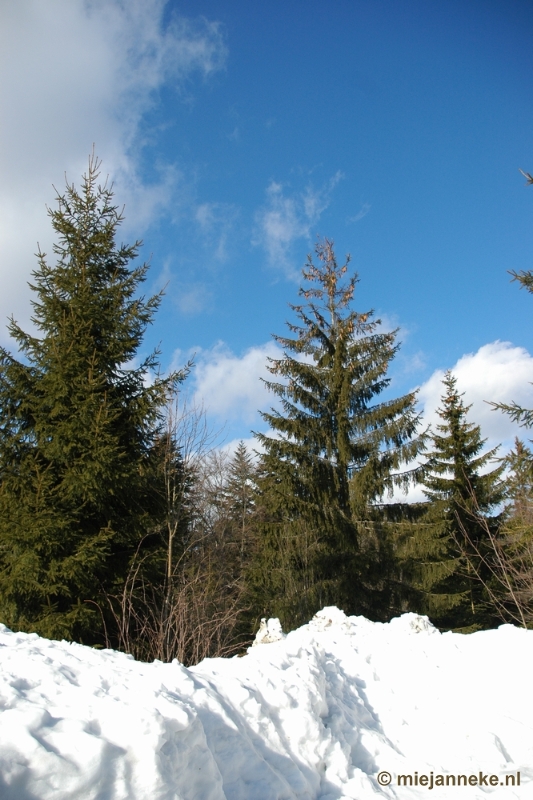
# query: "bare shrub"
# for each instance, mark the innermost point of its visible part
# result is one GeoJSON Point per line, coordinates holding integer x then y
{"type": "Point", "coordinates": [191, 616]}
{"type": "Point", "coordinates": [504, 564]}
{"type": "Point", "coordinates": [193, 608]}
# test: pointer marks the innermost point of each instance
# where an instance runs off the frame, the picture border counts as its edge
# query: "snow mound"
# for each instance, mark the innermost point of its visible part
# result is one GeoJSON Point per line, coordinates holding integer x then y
{"type": "Point", "coordinates": [326, 712]}
{"type": "Point", "coordinates": [412, 623]}
{"type": "Point", "coordinates": [268, 632]}
{"type": "Point", "coordinates": [331, 617]}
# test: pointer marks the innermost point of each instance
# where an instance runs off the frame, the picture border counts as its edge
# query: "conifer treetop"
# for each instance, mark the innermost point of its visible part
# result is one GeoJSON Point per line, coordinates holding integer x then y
{"type": "Point", "coordinates": [334, 296]}
{"type": "Point", "coordinates": [90, 295]}
{"type": "Point", "coordinates": [519, 480]}
{"type": "Point", "coordinates": [332, 369]}
{"type": "Point", "coordinates": [454, 466]}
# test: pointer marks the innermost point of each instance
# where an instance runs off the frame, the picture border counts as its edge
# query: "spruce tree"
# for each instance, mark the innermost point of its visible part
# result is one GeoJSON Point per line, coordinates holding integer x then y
{"type": "Point", "coordinates": [519, 483]}
{"type": "Point", "coordinates": [239, 498]}
{"type": "Point", "coordinates": [79, 482]}
{"type": "Point", "coordinates": [335, 451]}
{"type": "Point", "coordinates": [515, 540]}
{"type": "Point", "coordinates": [450, 546]}
{"type": "Point", "coordinates": [236, 534]}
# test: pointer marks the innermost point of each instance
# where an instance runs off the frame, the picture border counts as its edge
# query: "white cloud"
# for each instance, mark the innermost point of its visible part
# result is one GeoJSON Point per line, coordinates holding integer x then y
{"type": "Point", "coordinates": [286, 218]}
{"type": "Point", "coordinates": [74, 73]}
{"type": "Point", "coordinates": [230, 389]}
{"type": "Point", "coordinates": [498, 372]}
{"type": "Point", "coordinates": [252, 445]}
{"type": "Point", "coordinates": [230, 386]}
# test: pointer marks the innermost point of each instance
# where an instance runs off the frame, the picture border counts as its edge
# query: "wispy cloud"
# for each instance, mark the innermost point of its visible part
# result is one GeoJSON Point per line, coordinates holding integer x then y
{"type": "Point", "coordinates": [413, 363]}
{"type": "Point", "coordinates": [363, 211]}
{"type": "Point", "coordinates": [79, 72]}
{"type": "Point", "coordinates": [235, 134]}
{"type": "Point", "coordinates": [287, 217]}
{"type": "Point", "coordinates": [217, 222]}
{"type": "Point", "coordinates": [192, 299]}
{"type": "Point", "coordinates": [389, 323]}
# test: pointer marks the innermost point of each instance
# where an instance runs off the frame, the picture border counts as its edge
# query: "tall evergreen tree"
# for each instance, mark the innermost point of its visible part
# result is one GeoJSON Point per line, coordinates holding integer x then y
{"type": "Point", "coordinates": [515, 542]}
{"type": "Point", "coordinates": [79, 486]}
{"type": "Point", "coordinates": [335, 450]}
{"type": "Point", "coordinates": [450, 546]}
{"type": "Point", "coordinates": [519, 483]}
{"type": "Point", "coordinates": [239, 497]}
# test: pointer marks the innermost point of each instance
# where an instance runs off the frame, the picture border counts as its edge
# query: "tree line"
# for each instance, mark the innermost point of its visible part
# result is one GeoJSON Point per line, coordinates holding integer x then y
{"type": "Point", "coordinates": [122, 526]}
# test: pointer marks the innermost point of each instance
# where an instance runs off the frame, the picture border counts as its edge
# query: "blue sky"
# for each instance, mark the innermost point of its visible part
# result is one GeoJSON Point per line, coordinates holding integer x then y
{"type": "Point", "coordinates": [236, 132]}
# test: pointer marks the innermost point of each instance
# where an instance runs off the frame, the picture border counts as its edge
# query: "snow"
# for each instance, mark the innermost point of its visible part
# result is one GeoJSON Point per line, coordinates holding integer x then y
{"type": "Point", "coordinates": [319, 713]}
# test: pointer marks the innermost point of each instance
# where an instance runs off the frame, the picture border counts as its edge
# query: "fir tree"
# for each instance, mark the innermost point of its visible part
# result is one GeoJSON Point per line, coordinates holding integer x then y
{"type": "Point", "coordinates": [336, 450]}
{"type": "Point", "coordinates": [515, 540]}
{"type": "Point", "coordinates": [239, 497]}
{"type": "Point", "coordinates": [79, 483]}
{"type": "Point", "coordinates": [450, 546]}
{"type": "Point", "coordinates": [519, 483]}
{"type": "Point", "coordinates": [236, 531]}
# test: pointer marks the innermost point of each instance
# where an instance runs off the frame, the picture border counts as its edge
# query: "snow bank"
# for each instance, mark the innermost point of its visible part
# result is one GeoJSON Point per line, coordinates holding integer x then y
{"type": "Point", "coordinates": [327, 712]}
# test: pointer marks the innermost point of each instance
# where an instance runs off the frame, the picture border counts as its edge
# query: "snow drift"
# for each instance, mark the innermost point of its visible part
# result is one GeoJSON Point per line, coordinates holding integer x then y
{"type": "Point", "coordinates": [327, 712]}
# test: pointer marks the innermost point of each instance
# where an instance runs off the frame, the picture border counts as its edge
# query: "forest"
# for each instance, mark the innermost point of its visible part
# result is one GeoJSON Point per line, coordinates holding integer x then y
{"type": "Point", "coordinates": [122, 526]}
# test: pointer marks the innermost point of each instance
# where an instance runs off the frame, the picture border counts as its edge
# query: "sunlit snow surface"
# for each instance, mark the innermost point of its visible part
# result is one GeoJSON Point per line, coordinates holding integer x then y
{"type": "Point", "coordinates": [317, 714]}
